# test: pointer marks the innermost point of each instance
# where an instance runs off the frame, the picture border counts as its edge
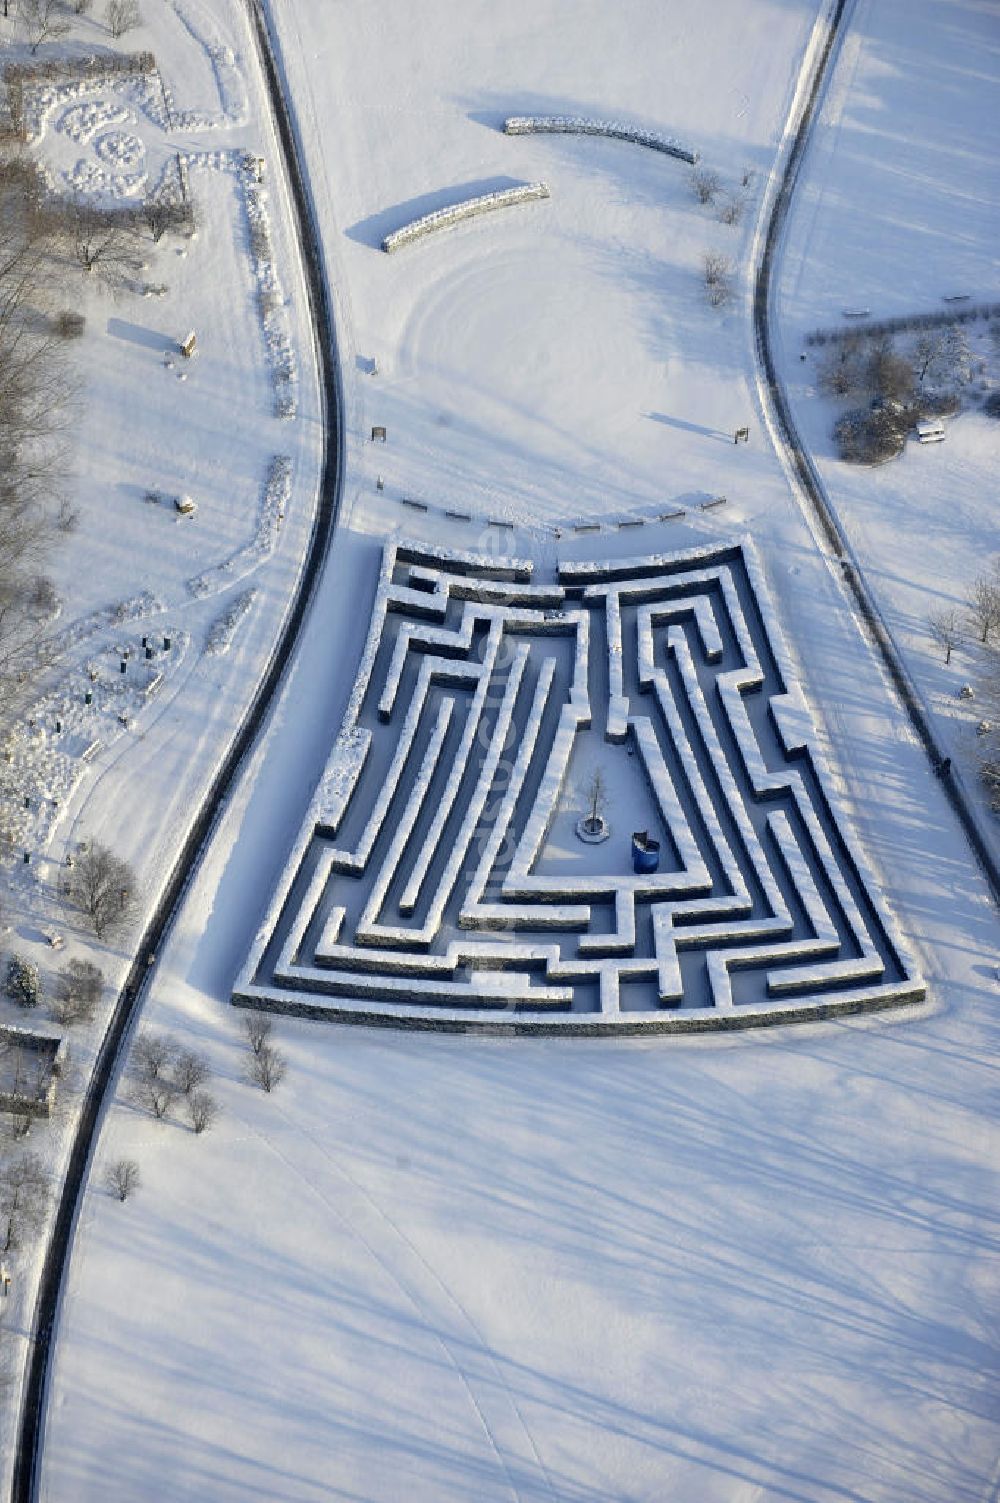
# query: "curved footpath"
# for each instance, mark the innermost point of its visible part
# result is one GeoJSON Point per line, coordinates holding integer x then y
{"type": "Point", "coordinates": [31, 1427]}
{"type": "Point", "coordinates": [811, 487]}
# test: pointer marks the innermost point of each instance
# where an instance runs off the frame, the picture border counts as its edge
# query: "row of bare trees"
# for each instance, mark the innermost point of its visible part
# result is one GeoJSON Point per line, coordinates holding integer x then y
{"type": "Point", "coordinates": [43, 242]}
{"type": "Point", "coordinates": [978, 620]}
{"type": "Point", "coordinates": [730, 205]}
{"type": "Point", "coordinates": [164, 1073]}
{"type": "Point", "coordinates": [35, 392]}
{"type": "Point", "coordinates": [48, 20]}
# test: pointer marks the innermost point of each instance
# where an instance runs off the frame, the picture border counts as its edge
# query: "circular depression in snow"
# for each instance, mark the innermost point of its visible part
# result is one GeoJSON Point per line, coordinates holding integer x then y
{"type": "Point", "coordinates": [533, 358]}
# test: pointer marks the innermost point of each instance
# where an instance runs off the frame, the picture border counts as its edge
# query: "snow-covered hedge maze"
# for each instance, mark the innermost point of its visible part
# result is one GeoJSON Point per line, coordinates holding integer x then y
{"type": "Point", "coordinates": [433, 882]}
{"type": "Point", "coordinates": [581, 125]}
{"type": "Point", "coordinates": [469, 208]}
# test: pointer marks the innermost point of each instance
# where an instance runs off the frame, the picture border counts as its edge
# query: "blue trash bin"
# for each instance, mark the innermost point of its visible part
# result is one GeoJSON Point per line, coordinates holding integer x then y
{"type": "Point", "coordinates": [645, 853]}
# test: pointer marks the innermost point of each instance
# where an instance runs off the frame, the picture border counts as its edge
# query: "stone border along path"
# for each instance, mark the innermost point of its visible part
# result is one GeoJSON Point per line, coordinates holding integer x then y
{"type": "Point", "coordinates": [414, 895]}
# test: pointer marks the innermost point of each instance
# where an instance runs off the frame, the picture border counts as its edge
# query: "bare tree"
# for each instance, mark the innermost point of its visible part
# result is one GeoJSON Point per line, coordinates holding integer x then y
{"type": "Point", "coordinates": [890, 375]}
{"type": "Point", "coordinates": [153, 1054]}
{"type": "Point", "coordinates": [718, 273]}
{"type": "Point", "coordinates": [931, 357]}
{"type": "Point", "coordinates": [190, 1071]}
{"type": "Point", "coordinates": [103, 241]}
{"type": "Point", "coordinates": [163, 214]}
{"type": "Point", "coordinates": [202, 1110]}
{"type": "Point", "coordinates": [946, 629]}
{"type": "Point", "coordinates": [704, 185]}
{"type": "Point", "coordinates": [43, 21]}
{"type": "Point", "coordinates": [984, 606]}
{"type": "Point", "coordinates": [597, 798]}
{"type": "Point", "coordinates": [990, 773]}
{"type": "Point", "coordinates": [151, 1068]}
{"type": "Point", "coordinates": [121, 16]}
{"type": "Point", "coordinates": [104, 886]}
{"type": "Point", "coordinates": [732, 207]}
{"type": "Point", "coordinates": [24, 1194]}
{"type": "Point", "coordinates": [155, 1093]}
{"type": "Point", "coordinates": [257, 1026]}
{"type": "Point", "coordinates": [122, 1178]}
{"type": "Point", "coordinates": [43, 599]}
{"type": "Point", "coordinates": [842, 371]}
{"type": "Point", "coordinates": [267, 1068]}
{"type": "Point", "coordinates": [78, 990]}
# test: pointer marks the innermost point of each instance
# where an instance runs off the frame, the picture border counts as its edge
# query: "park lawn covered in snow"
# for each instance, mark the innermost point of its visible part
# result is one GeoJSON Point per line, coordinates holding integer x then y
{"type": "Point", "coordinates": [557, 359]}
{"type": "Point", "coordinates": [896, 210]}
{"type": "Point", "coordinates": [148, 420]}
{"type": "Point", "coordinates": [731, 1269]}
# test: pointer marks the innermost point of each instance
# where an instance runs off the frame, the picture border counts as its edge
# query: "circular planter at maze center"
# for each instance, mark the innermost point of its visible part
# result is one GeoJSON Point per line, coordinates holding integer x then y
{"type": "Point", "coordinates": [593, 829]}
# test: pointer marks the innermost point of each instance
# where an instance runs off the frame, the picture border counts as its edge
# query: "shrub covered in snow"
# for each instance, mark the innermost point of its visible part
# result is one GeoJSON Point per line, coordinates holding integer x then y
{"type": "Point", "coordinates": [871, 435]}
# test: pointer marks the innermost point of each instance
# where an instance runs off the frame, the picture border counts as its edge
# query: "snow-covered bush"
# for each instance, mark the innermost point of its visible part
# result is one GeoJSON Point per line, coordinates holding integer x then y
{"type": "Point", "coordinates": [705, 185]}
{"type": "Point", "coordinates": [867, 435]}
{"type": "Point", "coordinates": [24, 985]}
{"type": "Point", "coordinates": [718, 272]}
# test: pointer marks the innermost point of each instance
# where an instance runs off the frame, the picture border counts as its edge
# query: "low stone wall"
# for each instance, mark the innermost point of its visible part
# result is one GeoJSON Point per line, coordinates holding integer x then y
{"type": "Point", "coordinates": [470, 208]}
{"type": "Point", "coordinates": [581, 125]}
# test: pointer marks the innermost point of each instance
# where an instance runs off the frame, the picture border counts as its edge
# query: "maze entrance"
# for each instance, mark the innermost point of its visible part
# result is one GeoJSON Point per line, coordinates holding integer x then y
{"type": "Point", "coordinates": [436, 882]}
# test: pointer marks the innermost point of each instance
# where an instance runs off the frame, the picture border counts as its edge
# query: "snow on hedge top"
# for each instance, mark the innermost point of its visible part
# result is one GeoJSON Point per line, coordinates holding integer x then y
{"type": "Point", "coordinates": [581, 125]}
{"type": "Point", "coordinates": [441, 218]}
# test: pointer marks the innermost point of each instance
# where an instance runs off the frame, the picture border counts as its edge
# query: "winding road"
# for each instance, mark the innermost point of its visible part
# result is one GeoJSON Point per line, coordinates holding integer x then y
{"type": "Point", "coordinates": [31, 1427]}
{"type": "Point", "coordinates": [808, 485]}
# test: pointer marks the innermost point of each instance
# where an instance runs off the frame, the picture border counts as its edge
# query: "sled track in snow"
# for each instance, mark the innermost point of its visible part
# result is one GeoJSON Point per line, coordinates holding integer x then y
{"type": "Point", "coordinates": [863, 603]}
{"type": "Point", "coordinates": [31, 1426]}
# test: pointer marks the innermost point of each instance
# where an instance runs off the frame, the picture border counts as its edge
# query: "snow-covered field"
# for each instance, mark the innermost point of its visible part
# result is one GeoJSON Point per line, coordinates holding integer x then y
{"type": "Point", "coordinates": [758, 1268]}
